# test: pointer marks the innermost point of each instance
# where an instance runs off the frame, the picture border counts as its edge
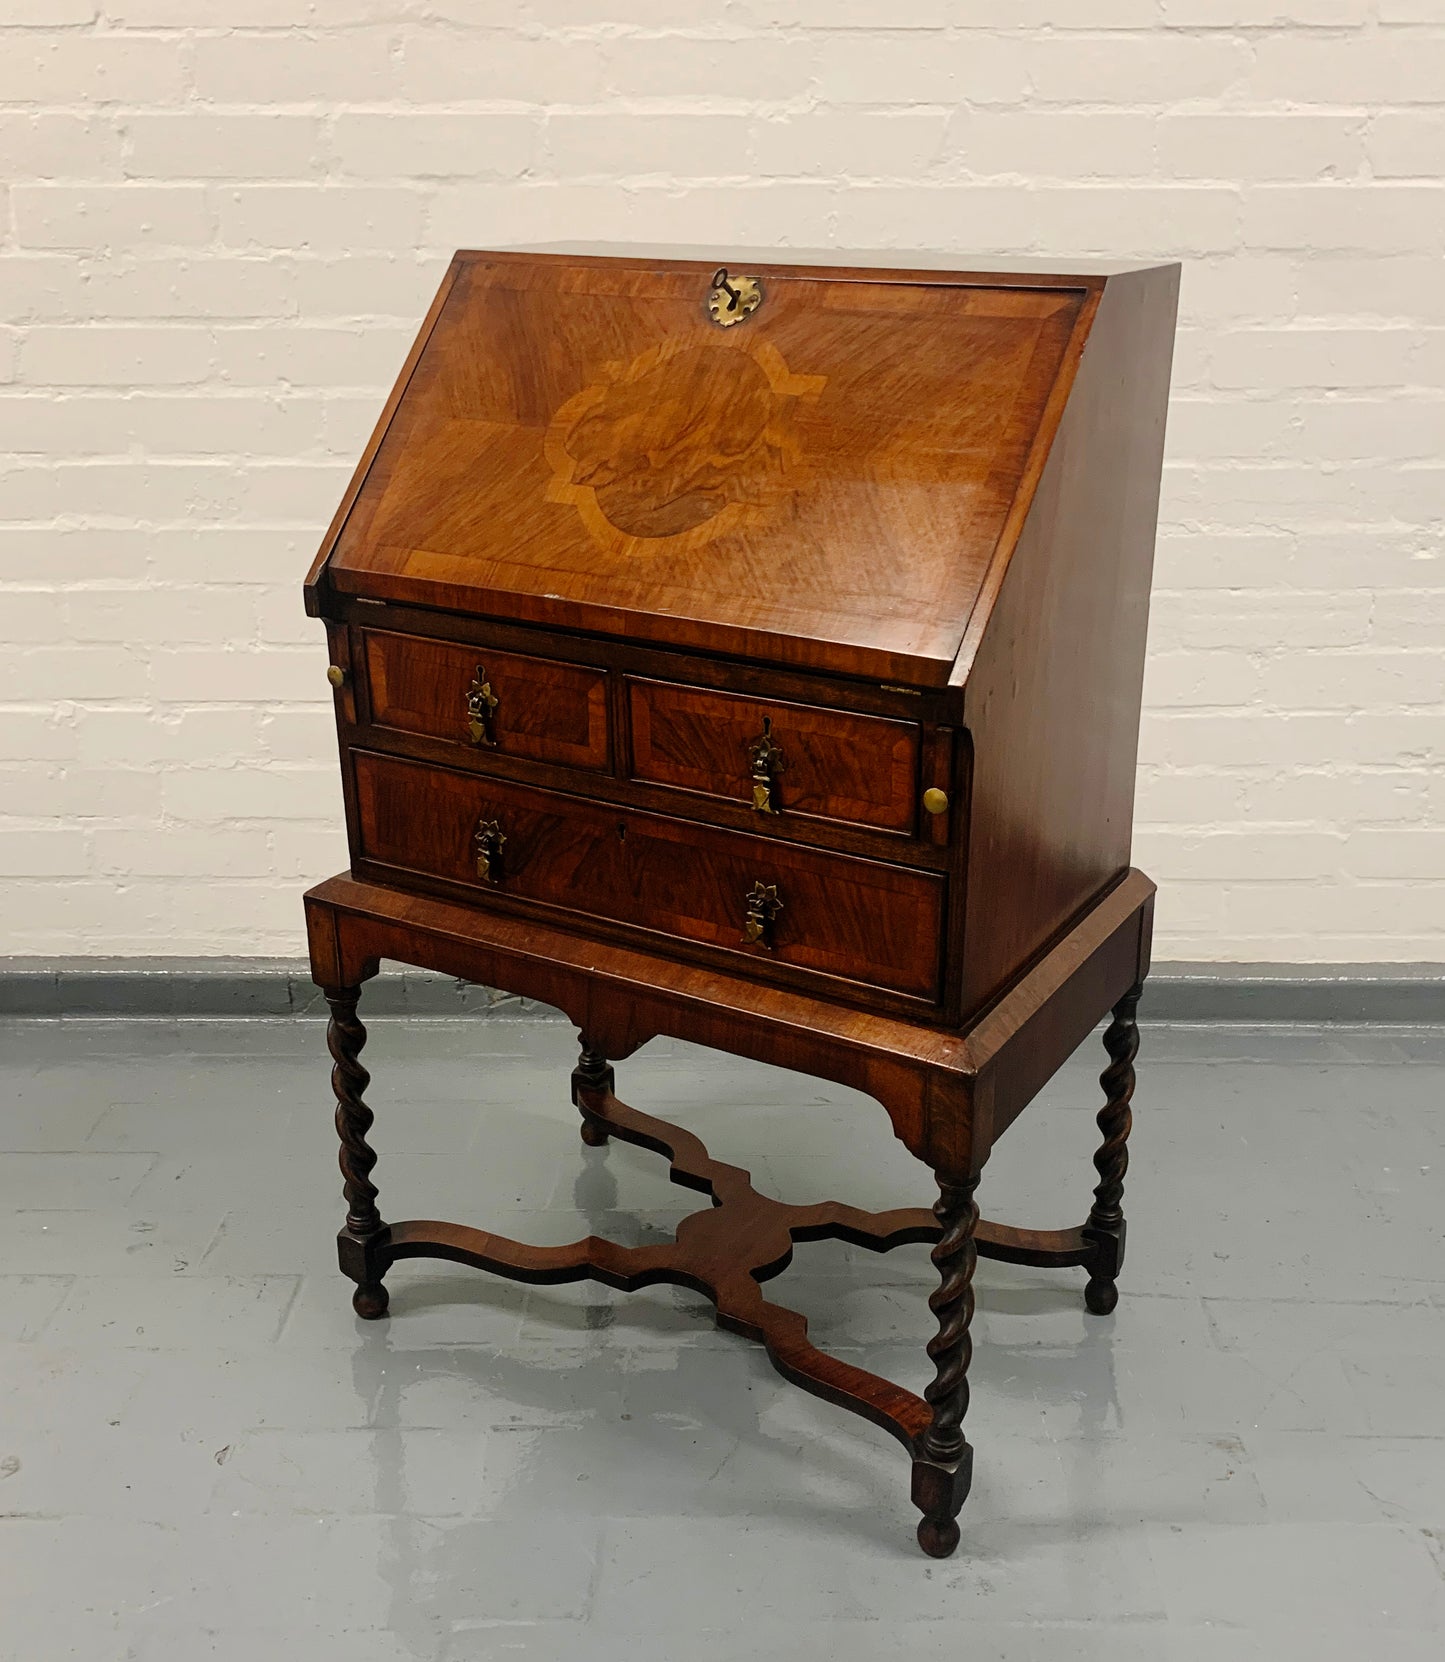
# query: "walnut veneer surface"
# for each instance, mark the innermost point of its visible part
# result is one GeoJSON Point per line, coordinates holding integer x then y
{"type": "Point", "coordinates": [795, 662]}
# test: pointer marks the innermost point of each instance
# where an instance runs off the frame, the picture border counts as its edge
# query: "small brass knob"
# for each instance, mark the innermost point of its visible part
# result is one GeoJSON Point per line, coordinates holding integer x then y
{"type": "Point", "coordinates": [935, 800]}
{"type": "Point", "coordinates": [336, 675]}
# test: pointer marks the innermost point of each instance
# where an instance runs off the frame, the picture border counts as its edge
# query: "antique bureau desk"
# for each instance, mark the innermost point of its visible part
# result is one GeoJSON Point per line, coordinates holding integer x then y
{"type": "Point", "coordinates": [751, 653]}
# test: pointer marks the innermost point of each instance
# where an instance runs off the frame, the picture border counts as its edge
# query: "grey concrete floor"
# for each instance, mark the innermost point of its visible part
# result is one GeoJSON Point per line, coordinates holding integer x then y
{"type": "Point", "coordinates": [203, 1454]}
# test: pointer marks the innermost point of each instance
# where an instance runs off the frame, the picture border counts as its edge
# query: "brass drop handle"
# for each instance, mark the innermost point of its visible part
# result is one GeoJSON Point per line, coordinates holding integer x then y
{"type": "Point", "coordinates": [481, 709]}
{"type": "Point", "coordinates": [767, 760]}
{"type": "Point", "coordinates": [763, 904]}
{"type": "Point", "coordinates": [489, 840]}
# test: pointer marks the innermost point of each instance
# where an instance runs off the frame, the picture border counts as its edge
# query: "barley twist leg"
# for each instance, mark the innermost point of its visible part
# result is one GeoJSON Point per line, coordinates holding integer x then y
{"type": "Point", "coordinates": [1106, 1226]}
{"type": "Point", "coordinates": [942, 1473]}
{"type": "Point", "coordinates": [345, 1035]}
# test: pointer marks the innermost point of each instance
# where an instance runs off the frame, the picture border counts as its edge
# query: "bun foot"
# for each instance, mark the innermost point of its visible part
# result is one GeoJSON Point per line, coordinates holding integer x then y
{"type": "Point", "coordinates": [939, 1491]}
{"type": "Point", "coordinates": [938, 1536]}
{"type": "Point", "coordinates": [591, 1074]}
{"type": "Point", "coordinates": [1101, 1296]}
{"type": "Point", "coordinates": [370, 1302]}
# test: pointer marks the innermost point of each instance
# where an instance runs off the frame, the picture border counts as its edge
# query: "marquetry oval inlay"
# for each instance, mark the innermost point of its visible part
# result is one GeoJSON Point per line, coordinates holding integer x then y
{"type": "Point", "coordinates": [681, 445]}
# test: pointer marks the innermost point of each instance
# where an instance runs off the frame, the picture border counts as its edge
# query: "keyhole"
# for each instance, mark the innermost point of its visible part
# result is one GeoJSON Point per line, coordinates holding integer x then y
{"type": "Point", "coordinates": [621, 833]}
{"type": "Point", "coordinates": [720, 281]}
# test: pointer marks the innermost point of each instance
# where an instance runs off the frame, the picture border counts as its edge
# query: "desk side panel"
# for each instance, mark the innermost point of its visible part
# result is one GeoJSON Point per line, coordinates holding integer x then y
{"type": "Point", "coordinates": [1053, 696]}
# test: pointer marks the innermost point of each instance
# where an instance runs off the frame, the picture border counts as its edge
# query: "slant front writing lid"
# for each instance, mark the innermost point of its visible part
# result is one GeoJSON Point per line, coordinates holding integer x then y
{"type": "Point", "coordinates": [601, 444]}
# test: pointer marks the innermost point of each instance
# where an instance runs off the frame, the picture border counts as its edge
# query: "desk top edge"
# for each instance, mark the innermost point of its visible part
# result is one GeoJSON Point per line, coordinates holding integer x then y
{"type": "Point", "coordinates": [909, 265]}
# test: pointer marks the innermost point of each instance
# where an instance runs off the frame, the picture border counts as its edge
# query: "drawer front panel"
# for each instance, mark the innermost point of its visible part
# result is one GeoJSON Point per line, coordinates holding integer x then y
{"type": "Point", "coordinates": [855, 919]}
{"type": "Point", "coordinates": [535, 708]}
{"type": "Point", "coordinates": [862, 770]}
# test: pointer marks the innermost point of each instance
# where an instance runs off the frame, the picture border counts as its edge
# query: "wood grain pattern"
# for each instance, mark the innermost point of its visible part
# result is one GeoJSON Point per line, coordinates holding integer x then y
{"type": "Point", "coordinates": [1052, 694]}
{"type": "Point", "coordinates": [658, 663]}
{"type": "Point", "coordinates": [688, 441]}
{"type": "Point", "coordinates": [904, 522]}
{"type": "Point", "coordinates": [482, 642]}
{"type": "Point", "coordinates": [836, 766]}
{"type": "Point", "coordinates": [725, 1252]}
{"type": "Point", "coordinates": [859, 921]}
{"type": "Point", "coordinates": [547, 710]}
{"type": "Point", "coordinates": [823, 485]}
{"type": "Point", "coordinates": [949, 1094]}
{"type": "Point", "coordinates": [728, 1250]}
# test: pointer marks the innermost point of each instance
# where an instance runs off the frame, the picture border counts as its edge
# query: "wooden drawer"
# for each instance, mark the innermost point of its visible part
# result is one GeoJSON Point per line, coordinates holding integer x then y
{"type": "Point", "coordinates": [828, 764]}
{"type": "Point", "coordinates": [853, 919]}
{"type": "Point", "coordinates": [545, 711]}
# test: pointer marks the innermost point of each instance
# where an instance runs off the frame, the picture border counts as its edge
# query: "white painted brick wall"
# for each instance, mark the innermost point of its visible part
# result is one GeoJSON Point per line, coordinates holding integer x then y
{"type": "Point", "coordinates": [220, 224]}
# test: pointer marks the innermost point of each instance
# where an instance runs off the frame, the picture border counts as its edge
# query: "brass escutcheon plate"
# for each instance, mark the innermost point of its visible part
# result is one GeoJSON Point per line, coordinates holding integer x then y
{"type": "Point", "coordinates": [733, 298]}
